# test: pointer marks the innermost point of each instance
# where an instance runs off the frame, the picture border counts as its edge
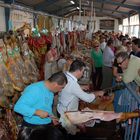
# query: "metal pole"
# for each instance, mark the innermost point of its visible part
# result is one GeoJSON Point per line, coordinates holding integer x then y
{"type": "Point", "coordinates": [79, 11]}
{"type": "Point", "coordinates": [139, 26]}
{"type": "Point", "coordinates": [91, 11]}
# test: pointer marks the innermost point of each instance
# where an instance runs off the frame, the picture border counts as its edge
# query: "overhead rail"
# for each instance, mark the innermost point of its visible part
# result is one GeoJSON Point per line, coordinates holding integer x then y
{"type": "Point", "coordinates": [18, 7]}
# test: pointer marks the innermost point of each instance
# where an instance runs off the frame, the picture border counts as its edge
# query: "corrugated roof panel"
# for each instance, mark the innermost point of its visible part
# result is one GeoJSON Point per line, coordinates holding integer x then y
{"type": "Point", "coordinates": [124, 9]}
{"type": "Point", "coordinates": [30, 2]}
{"type": "Point", "coordinates": [121, 7]}
{"type": "Point", "coordinates": [109, 6]}
{"type": "Point", "coordinates": [133, 2]}
{"type": "Point", "coordinates": [117, 0]}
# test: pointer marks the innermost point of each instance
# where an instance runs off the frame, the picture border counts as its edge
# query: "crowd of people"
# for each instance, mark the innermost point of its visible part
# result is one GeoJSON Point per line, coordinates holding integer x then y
{"type": "Point", "coordinates": [114, 58]}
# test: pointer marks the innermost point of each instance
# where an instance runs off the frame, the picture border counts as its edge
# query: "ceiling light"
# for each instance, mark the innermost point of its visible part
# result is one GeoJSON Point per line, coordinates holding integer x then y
{"type": "Point", "coordinates": [78, 8]}
{"type": "Point", "coordinates": [72, 2]}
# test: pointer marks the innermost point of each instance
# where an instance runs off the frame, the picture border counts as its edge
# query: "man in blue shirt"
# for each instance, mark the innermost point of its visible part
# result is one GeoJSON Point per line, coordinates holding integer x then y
{"type": "Point", "coordinates": [35, 104]}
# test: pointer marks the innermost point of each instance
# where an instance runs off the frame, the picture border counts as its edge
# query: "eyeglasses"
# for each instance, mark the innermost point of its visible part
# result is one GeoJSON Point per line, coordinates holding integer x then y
{"type": "Point", "coordinates": [122, 61]}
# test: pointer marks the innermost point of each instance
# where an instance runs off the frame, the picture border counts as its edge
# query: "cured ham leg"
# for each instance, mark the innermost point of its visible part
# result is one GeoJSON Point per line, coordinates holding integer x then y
{"type": "Point", "coordinates": [70, 120]}
{"type": "Point", "coordinates": [128, 115]}
{"type": "Point", "coordinates": [79, 117]}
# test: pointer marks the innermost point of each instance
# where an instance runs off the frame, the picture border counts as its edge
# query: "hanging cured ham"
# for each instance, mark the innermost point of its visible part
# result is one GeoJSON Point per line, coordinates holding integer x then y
{"type": "Point", "coordinates": [14, 71]}
{"type": "Point", "coordinates": [71, 120]}
{"type": "Point", "coordinates": [12, 124]}
{"type": "Point", "coordinates": [19, 61]}
{"type": "Point", "coordinates": [8, 126]}
{"type": "Point", "coordinates": [6, 83]}
{"type": "Point", "coordinates": [4, 102]}
{"type": "Point", "coordinates": [21, 65]}
{"type": "Point", "coordinates": [3, 131]}
{"type": "Point", "coordinates": [30, 64]}
{"type": "Point", "coordinates": [79, 117]}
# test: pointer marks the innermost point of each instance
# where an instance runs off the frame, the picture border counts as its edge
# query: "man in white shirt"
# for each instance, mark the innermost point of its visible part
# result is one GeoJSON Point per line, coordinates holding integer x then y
{"type": "Point", "coordinates": [68, 99]}
{"type": "Point", "coordinates": [130, 67]}
{"type": "Point", "coordinates": [61, 62]}
{"type": "Point", "coordinates": [108, 59]}
{"type": "Point", "coordinates": [102, 44]}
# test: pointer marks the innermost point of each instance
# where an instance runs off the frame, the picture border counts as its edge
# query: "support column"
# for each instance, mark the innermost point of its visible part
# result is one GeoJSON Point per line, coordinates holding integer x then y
{"type": "Point", "coordinates": [35, 19]}
{"type": "Point", "coordinates": [139, 26]}
{"type": "Point", "coordinates": [7, 14]}
{"type": "Point", "coordinates": [129, 31]}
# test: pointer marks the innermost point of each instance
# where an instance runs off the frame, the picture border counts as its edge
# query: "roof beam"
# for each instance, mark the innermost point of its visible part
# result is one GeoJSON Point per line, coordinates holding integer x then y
{"type": "Point", "coordinates": [67, 14]}
{"type": "Point", "coordinates": [121, 12]}
{"type": "Point", "coordinates": [8, 1]}
{"type": "Point", "coordinates": [63, 13]}
{"type": "Point", "coordinates": [72, 6]}
{"type": "Point", "coordinates": [70, 14]}
{"type": "Point", "coordinates": [21, 3]}
{"type": "Point", "coordinates": [44, 4]}
{"type": "Point", "coordinates": [7, 14]}
{"type": "Point", "coordinates": [133, 7]}
{"type": "Point", "coordinates": [109, 14]}
{"type": "Point", "coordinates": [64, 8]}
{"type": "Point", "coordinates": [102, 6]}
{"type": "Point", "coordinates": [119, 6]}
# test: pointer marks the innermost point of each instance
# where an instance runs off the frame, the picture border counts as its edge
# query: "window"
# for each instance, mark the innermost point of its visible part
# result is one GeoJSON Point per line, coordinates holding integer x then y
{"type": "Point", "coordinates": [125, 26]}
{"type": "Point", "coordinates": [125, 22]}
{"type": "Point", "coordinates": [121, 28]}
{"type": "Point", "coordinates": [134, 25]}
{"type": "Point", "coordinates": [134, 30]}
{"type": "Point", "coordinates": [134, 20]}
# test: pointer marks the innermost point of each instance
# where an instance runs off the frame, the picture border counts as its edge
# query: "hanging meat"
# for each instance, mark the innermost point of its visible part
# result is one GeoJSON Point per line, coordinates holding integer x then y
{"type": "Point", "coordinates": [79, 117]}
{"type": "Point", "coordinates": [61, 42]}
{"type": "Point", "coordinates": [5, 79]}
{"type": "Point", "coordinates": [8, 125]}
{"type": "Point", "coordinates": [12, 124]}
{"type": "Point", "coordinates": [14, 71]}
{"type": "Point", "coordinates": [71, 120]}
{"type": "Point", "coordinates": [30, 64]}
{"type": "Point", "coordinates": [4, 102]}
{"type": "Point", "coordinates": [3, 131]}
{"type": "Point", "coordinates": [19, 61]}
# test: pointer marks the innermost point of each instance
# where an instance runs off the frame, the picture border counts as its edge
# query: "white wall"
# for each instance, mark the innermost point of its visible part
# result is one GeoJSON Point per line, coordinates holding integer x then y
{"type": "Point", "coordinates": [2, 19]}
{"type": "Point", "coordinates": [97, 19]}
{"type": "Point", "coordinates": [19, 18]}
